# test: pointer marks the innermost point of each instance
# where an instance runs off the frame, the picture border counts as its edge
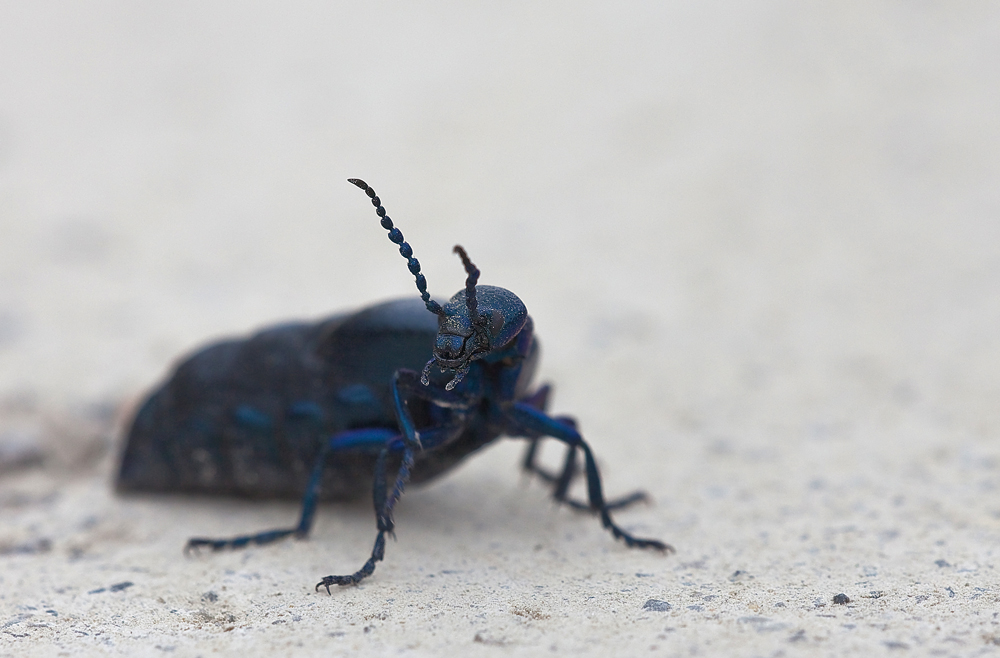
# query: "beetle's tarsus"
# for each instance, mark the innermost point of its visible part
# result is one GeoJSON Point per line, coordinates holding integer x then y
{"type": "Point", "coordinates": [652, 544]}
{"type": "Point", "coordinates": [378, 553]}
{"type": "Point", "coordinates": [261, 538]}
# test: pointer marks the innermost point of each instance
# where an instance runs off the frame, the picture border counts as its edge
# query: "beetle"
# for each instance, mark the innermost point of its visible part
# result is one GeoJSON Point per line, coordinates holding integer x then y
{"type": "Point", "coordinates": [330, 410]}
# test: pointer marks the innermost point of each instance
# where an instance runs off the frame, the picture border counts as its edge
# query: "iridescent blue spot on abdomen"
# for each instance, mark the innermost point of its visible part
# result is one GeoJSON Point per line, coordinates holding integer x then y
{"type": "Point", "coordinates": [357, 395]}
{"type": "Point", "coordinates": [305, 410]}
{"type": "Point", "coordinates": [252, 418]}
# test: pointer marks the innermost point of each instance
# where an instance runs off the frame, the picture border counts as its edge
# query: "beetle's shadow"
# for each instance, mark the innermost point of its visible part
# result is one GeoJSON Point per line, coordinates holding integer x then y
{"type": "Point", "coordinates": [489, 498]}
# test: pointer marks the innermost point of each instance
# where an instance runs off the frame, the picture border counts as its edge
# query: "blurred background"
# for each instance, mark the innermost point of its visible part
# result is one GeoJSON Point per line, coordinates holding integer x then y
{"type": "Point", "coordinates": [715, 212]}
{"type": "Point", "coordinates": [760, 242]}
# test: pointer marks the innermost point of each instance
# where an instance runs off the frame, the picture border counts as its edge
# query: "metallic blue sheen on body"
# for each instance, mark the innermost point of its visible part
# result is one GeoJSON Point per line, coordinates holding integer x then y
{"type": "Point", "coordinates": [394, 394]}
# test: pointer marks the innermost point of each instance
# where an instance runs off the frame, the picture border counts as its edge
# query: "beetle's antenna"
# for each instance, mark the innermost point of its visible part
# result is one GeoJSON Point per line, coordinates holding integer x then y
{"type": "Point", "coordinates": [470, 284]}
{"type": "Point", "coordinates": [396, 236]}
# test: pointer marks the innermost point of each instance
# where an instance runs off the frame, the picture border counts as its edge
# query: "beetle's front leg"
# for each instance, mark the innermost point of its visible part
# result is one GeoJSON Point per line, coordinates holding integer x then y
{"type": "Point", "coordinates": [405, 384]}
{"type": "Point", "coordinates": [529, 420]}
{"type": "Point", "coordinates": [539, 401]}
{"type": "Point", "coordinates": [385, 500]}
{"type": "Point", "coordinates": [383, 518]}
{"type": "Point", "coordinates": [562, 482]}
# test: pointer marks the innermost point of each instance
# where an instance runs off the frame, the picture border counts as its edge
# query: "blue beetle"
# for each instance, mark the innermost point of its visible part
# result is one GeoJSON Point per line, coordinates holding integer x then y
{"type": "Point", "coordinates": [327, 411]}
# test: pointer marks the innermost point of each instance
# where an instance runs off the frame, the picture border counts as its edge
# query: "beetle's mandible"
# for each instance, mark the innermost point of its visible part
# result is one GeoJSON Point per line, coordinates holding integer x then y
{"type": "Point", "coordinates": [395, 393]}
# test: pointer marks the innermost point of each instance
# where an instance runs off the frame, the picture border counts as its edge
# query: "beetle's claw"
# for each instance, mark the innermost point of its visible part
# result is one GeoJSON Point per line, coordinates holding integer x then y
{"type": "Point", "coordinates": [195, 545]}
{"type": "Point", "coordinates": [652, 544]}
{"type": "Point", "coordinates": [336, 580]}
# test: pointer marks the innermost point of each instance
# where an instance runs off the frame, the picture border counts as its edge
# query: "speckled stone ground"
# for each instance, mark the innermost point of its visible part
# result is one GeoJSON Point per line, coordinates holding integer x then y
{"type": "Point", "coordinates": [760, 243]}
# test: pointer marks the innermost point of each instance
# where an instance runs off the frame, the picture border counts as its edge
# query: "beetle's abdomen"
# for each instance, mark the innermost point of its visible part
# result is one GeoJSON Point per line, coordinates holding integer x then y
{"type": "Point", "coordinates": [238, 417]}
{"type": "Point", "coordinates": [248, 417]}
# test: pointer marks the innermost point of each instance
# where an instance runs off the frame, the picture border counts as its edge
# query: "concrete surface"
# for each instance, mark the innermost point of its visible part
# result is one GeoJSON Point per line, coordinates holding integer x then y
{"type": "Point", "coordinates": [760, 242]}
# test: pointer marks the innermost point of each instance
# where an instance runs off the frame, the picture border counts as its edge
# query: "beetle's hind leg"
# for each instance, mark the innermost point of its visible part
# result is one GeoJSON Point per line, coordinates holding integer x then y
{"type": "Point", "coordinates": [309, 501]}
{"type": "Point", "coordinates": [349, 440]}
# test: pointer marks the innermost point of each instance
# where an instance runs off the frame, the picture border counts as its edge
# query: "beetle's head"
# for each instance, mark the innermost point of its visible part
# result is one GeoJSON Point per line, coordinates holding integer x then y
{"type": "Point", "coordinates": [472, 327]}
{"type": "Point", "coordinates": [474, 323]}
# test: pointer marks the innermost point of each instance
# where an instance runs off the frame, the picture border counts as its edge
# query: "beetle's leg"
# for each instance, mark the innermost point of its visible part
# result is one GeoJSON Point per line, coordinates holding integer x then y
{"type": "Point", "coordinates": [621, 502]}
{"type": "Point", "coordinates": [384, 522]}
{"type": "Point", "coordinates": [384, 503]}
{"type": "Point", "coordinates": [539, 400]}
{"type": "Point", "coordinates": [563, 481]}
{"type": "Point", "coordinates": [570, 472]}
{"type": "Point", "coordinates": [383, 518]}
{"type": "Point", "coordinates": [404, 383]}
{"type": "Point", "coordinates": [527, 419]}
{"type": "Point", "coordinates": [349, 440]}
{"type": "Point", "coordinates": [528, 464]}
{"type": "Point", "coordinates": [531, 455]}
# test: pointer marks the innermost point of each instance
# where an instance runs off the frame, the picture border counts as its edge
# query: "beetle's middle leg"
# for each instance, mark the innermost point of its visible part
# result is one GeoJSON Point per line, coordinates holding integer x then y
{"type": "Point", "coordinates": [349, 440]}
